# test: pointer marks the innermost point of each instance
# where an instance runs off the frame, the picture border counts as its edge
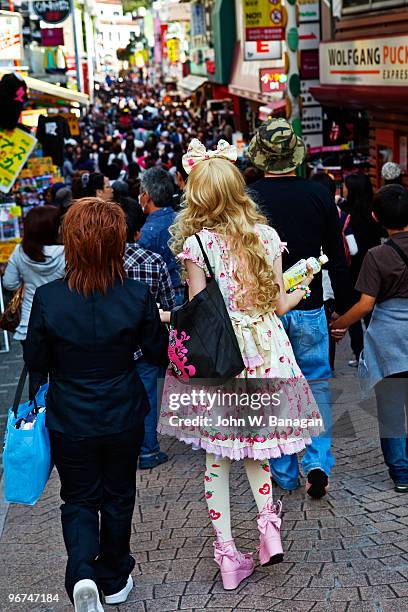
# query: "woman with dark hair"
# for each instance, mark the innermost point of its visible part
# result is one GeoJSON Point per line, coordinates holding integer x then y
{"type": "Point", "coordinates": [83, 331]}
{"type": "Point", "coordinates": [39, 259]}
{"type": "Point", "coordinates": [358, 192]}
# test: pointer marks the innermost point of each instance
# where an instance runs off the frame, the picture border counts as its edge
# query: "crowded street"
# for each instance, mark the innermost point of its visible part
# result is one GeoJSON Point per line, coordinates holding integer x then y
{"type": "Point", "coordinates": [203, 305]}
{"type": "Point", "coordinates": [346, 553]}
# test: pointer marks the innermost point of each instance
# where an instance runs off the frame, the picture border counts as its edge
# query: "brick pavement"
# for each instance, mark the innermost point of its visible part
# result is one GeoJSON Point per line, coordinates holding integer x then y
{"type": "Point", "coordinates": [348, 552]}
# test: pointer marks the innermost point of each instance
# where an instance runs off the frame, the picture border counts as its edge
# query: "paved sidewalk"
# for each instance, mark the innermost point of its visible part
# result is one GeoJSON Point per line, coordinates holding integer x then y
{"type": "Point", "coordinates": [348, 552]}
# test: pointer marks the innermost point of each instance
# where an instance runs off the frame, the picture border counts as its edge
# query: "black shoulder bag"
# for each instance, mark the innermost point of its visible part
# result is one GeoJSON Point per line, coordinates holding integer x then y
{"type": "Point", "coordinates": [203, 344]}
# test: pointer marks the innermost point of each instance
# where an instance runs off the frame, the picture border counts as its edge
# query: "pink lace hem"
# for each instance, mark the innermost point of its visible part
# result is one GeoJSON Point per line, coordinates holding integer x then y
{"type": "Point", "coordinates": [272, 452]}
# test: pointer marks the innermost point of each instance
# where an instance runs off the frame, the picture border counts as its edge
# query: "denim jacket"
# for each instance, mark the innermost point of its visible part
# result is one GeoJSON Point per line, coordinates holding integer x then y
{"type": "Point", "coordinates": [155, 236]}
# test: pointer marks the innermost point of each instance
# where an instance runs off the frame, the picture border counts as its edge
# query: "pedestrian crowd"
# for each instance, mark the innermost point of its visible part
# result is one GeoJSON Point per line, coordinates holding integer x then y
{"type": "Point", "coordinates": [156, 214]}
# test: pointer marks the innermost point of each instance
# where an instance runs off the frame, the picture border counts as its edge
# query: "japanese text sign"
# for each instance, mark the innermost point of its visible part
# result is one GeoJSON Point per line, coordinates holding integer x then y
{"type": "Point", "coordinates": [15, 148]}
{"type": "Point", "coordinates": [264, 20]}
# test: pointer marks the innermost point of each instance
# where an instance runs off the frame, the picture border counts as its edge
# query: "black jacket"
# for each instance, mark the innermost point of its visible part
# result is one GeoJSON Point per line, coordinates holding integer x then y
{"type": "Point", "coordinates": [87, 346]}
{"type": "Point", "coordinates": [306, 218]}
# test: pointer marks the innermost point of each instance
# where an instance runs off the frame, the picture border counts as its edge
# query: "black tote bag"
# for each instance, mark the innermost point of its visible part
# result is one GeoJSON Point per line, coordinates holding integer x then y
{"type": "Point", "coordinates": [203, 344]}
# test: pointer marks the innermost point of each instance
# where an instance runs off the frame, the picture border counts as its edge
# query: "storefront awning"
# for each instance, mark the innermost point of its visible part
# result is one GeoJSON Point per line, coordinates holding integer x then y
{"type": "Point", "coordinates": [191, 83]}
{"type": "Point", "coordinates": [55, 91]}
{"type": "Point", "coordinates": [361, 97]}
{"type": "Point", "coordinates": [272, 108]}
{"type": "Point", "coordinates": [36, 86]}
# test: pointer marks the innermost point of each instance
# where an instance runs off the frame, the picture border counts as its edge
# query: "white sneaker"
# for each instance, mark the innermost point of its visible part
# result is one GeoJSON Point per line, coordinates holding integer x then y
{"type": "Point", "coordinates": [122, 596]}
{"type": "Point", "coordinates": [86, 597]}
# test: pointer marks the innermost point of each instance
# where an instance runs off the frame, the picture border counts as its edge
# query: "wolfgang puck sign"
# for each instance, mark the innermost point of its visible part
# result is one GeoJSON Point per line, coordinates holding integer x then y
{"type": "Point", "coordinates": [52, 11]}
{"type": "Point", "coordinates": [372, 61]}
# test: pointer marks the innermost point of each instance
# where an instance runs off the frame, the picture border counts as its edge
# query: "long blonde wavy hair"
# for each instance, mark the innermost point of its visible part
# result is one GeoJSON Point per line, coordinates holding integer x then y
{"type": "Point", "coordinates": [215, 198]}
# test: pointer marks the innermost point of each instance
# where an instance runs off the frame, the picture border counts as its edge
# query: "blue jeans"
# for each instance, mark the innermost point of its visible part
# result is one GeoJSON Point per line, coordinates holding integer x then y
{"type": "Point", "coordinates": [392, 400]}
{"type": "Point", "coordinates": [309, 336]}
{"type": "Point", "coordinates": [149, 375]}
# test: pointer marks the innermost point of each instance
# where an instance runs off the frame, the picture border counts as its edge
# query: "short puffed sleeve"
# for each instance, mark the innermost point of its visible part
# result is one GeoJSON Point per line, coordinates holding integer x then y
{"type": "Point", "coordinates": [273, 245]}
{"type": "Point", "coordinates": [192, 252]}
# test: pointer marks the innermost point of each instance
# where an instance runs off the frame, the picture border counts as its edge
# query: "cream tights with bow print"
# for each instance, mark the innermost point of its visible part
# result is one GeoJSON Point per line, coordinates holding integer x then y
{"type": "Point", "coordinates": [217, 490]}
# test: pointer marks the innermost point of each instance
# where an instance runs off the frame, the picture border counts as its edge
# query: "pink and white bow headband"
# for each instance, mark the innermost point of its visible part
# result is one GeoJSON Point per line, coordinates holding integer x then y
{"type": "Point", "coordinates": [197, 152]}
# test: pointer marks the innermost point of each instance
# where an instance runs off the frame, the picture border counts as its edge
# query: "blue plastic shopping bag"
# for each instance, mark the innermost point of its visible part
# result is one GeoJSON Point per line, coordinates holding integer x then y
{"type": "Point", "coordinates": [27, 454]}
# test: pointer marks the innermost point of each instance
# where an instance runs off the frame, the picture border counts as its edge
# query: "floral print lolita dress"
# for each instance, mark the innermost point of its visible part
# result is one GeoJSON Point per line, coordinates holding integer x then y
{"type": "Point", "coordinates": [267, 355]}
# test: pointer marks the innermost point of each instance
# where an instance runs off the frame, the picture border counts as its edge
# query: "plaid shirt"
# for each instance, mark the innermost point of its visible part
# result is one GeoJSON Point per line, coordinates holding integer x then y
{"type": "Point", "coordinates": [150, 268]}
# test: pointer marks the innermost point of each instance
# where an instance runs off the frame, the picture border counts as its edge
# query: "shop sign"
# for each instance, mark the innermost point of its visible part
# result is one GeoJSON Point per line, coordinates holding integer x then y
{"type": "Point", "coordinates": [173, 50]}
{"type": "Point", "coordinates": [372, 61]}
{"type": "Point", "coordinates": [264, 20]}
{"type": "Point", "coordinates": [272, 80]}
{"type": "Point", "coordinates": [309, 36]}
{"type": "Point", "coordinates": [11, 39]}
{"type": "Point", "coordinates": [52, 37]}
{"type": "Point", "coordinates": [312, 120]}
{"type": "Point", "coordinates": [309, 64]}
{"type": "Point", "coordinates": [52, 11]}
{"type": "Point", "coordinates": [198, 27]}
{"type": "Point", "coordinates": [307, 98]}
{"type": "Point", "coordinates": [309, 10]}
{"type": "Point", "coordinates": [262, 50]}
{"type": "Point", "coordinates": [15, 148]}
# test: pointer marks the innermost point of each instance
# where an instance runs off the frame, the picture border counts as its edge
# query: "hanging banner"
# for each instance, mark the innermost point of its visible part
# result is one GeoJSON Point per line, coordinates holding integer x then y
{"type": "Point", "coordinates": [264, 20]}
{"type": "Point", "coordinates": [15, 148]}
{"type": "Point", "coordinates": [52, 11]}
{"type": "Point", "coordinates": [11, 39]}
{"type": "Point", "coordinates": [173, 50]}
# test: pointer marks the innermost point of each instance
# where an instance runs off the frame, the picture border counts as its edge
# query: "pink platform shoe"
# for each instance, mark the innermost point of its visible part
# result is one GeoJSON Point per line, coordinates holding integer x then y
{"type": "Point", "coordinates": [234, 565]}
{"type": "Point", "coordinates": [269, 523]}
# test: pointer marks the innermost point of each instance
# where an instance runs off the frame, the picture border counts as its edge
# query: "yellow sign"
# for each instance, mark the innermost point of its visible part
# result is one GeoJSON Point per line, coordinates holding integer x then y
{"type": "Point", "coordinates": [15, 148]}
{"type": "Point", "coordinates": [173, 50]}
{"type": "Point", "coordinates": [264, 20]}
{"type": "Point", "coordinates": [73, 123]}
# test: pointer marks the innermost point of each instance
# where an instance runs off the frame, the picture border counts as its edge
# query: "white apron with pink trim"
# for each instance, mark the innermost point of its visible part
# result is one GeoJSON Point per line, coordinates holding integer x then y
{"type": "Point", "coordinates": [268, 357]}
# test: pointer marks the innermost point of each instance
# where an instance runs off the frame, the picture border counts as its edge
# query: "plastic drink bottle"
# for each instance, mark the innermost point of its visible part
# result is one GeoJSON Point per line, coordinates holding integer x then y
{"type": "Point", "coordinates": [298, 272]}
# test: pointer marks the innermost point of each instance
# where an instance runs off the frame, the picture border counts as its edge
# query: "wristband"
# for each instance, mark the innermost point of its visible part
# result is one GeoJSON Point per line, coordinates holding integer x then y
{"type": "Point", "coordinates": [304, 288]}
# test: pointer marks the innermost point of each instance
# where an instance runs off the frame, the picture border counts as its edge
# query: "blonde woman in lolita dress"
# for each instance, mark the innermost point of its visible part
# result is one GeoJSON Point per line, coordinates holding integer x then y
{"type": "Point", "coordinates": [245, 255]}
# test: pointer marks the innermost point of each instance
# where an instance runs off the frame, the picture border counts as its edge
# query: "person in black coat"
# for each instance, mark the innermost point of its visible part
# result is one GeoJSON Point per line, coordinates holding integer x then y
{"type": "Point", "coordinates": [83, 332]}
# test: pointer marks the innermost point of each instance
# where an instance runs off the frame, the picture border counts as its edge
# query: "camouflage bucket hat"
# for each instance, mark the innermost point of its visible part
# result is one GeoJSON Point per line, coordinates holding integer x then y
{"type": "Point", "coordinates": [275, 148]}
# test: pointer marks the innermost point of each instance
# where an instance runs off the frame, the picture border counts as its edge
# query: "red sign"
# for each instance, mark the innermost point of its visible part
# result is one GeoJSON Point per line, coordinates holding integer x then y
{"type": "Point", "coordinates": [52, 37]}
{"type": "Point", "coordinates": [309, 64]}
{"type": "Point", "coordinates": [272, 80]}
{"type": "Point", "coordinates": [264, 34]}
{"type": "Point", "coordinates": [210, 66]}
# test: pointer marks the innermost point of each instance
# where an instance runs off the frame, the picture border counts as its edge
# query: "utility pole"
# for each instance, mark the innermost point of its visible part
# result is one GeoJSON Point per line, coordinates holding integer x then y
{"type": "Point", "coordinates": [78, 66]}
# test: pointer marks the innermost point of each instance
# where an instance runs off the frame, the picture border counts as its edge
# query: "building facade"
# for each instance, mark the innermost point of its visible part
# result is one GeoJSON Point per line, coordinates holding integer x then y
{"type": "Point", "coordinates": [364, 80]}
